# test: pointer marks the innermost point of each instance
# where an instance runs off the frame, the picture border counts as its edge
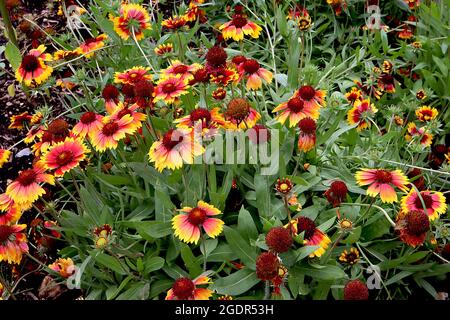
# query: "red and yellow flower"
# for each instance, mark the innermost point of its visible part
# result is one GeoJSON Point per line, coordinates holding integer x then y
{"type": "Point", "coordinates": [111, 95]}
{"type": "Point", "coordinates": [90, 45]}
{"type": "Point", "coordinates": [64, 156]}
{"type": "Point", "coordinates": [10, 214]}
{"type": "Point", "coordinates": [295, 110]}
{"type": "Point", "coordinates": [133, 19]}
{"type": "Point", "coordinates": [307, 136]}
{"type": "Point", "coordinates": [13, 243]}
{"type": "Point", "coordinates": [112, 131]}
{"type": "Point", "coordinates": [26, 188]}
{"type": "Point", "coordinates": [353, 95]}
{"type": "Point", "coordinates": [4, 156]}
{"type": "Point", "coordinates": [176, 146]}
{"type": "Point", "coordinates": [224, 76]}
{"type": "Point", "coordinates": [208, 120]}
{"type": "Point", "coordinates": [19, 121]}
{"type": "Point", "coordinates": [251, 70]}
{"type": "Point", "coordinates": [382, 182]}
{"type": "Point", "coordinates": [361, 113]}
{"type": "Point", "coordinates": [426, 113]}
{"type": "Point", "coordinates": [239, 27]}
{"type": "Point", "coordinates": [64, 266]}
{"type": "Point", "coordinates": [89, 123]}
{"type": "Point", "coordinates": [433, 203]}
{"type": "Point", "coordinates": [122, 110]}
{"type": "Point", "coordinates": [186, 289]}
{"type": "Point", "coordinates": [419, 134]}
{"type": "Point", "coordinates": [187, 225]}
{"type": "Point", "coordinates": [240, 115]}
{"type": "Point", "coordinates": [133, 75]}
{"type": "Point", "coordinates": [312, 235]}
{"type": "Point", "coordinates": [162, 49]}
{"type": "Point", "coordinates": [170, 89]}
{"type": "Point", "coordinates": [66, 54]}
{"type": "Point", "coordinates": [33, 70]}
{"type": "Point", "coordinates": [413, 227]}
{"type": "Point", "coordinates": [178, 69]}
{"type": "Point", "coordinates": [174, 23]}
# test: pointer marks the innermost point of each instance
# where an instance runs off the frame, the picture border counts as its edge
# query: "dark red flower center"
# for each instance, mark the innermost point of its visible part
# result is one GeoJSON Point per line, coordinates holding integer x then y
{"type": "Point", "coordinates": [110, 129]}
{"type": "Point", "coordinates": [387, 79]}
{"type": "Point", "coordinates": [427, 200]}
{"type": "Point", "coordinates": [123, 113]}
{"type": "Point", "coordinates": [339, 189]}
{"type": "Point", "coordinates": [183, 288]}
{"type": "Point", "coordinates": [27, 177]}
{"type": "Point", "coordinates": [307, 225]}
{"type": "Point", "coordinates": [239, 21]}
{"type": "Point", "coordinates": [47, 137]}
{"type": "Point", "coordinates": [88, 117]}
{"type": "Point", "coordinates": [307, 125]}
{"type": "Point", "coordinates": [201, 114]}
{"type": "Point", "coordinates": [216, 56]}
{"type": "Point", "coordinates": [110, 92]}
{"type": "Point", "coordinates": [251, 66]}
{"type": "Point", "coordinates": [306, 92]}
{"type": "Point", "coordinates": [169, 88]}
{"type": "Point", "coordinates": [64, 158]}
{"type": "Point", "coordinates": [197, 216]}
{"type": "Point", "coordinates": [59, 127]}
{"type": "Point", "coordinates": [180, 69]}
{"type": "Point", "coordinates": [417, 222]}
{"type": "Point", "coordinates": [383, 176]}
{"type": "Point", "coordinates": [143, 89]}
{"type": "Point", "coordinates": [295, 104]}
{"type": "Point", "coordinates": [238, 109]}
{"type": "Point", "coordinates": [172, 138]}
{"type": "Point", "coordinates": [30, 63]}
{"type": "Point", "coordinates": [5, 233]}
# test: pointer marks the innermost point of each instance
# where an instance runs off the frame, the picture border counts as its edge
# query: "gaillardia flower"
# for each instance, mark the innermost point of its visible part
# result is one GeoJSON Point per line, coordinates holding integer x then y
{"type": "Point", "coordinates": [413, 227]}
{"type": "Point", "coordinates": [433, 203]}
{"type": "Point", "coordinates": [133, 75]}
{"type": "Point", "coordinates": [311, 97]}
{"type": "Point", "coordinates": [10, 214]}
{"type": "Point", "coordinates": [176, 146]}
{"type": "Point", "coordinates": [254, 73]}
{"type": "Point", "coordinates": [174, 23]}
{"type": "Point", "coordinates": [164, 48]}
{"type": "Point", "coordinates": [336, 193]}
{"type": "Point", "coordinates": [240, 115]}
{"type": "Point", "coordinates": [64, 266]}
{"type": "Point", "coordinates": [64, 156]}
{"type": "Point", "coordinates": [361, 113]}
{"type": "Point", "coordinates": [207, 120]}
{"type": "Point", "coordinates": [353, 95]}
{"type": "Point", "coordinates": [4, 156]}
{"type": "Point", "coordinates": [112, 131]}
{"type": "Point", "coordinates": [13, 243]}
{"type": "Point", "coordinates": [382, 182]}
{"type": "Point", "coordinates": [33, 70]}
{"type": "Point", "coordinates": [26, 188]}
{"type": "Point", "coordinates": [307, 136]}
{"type": "Point", "coordinates": [19, 121]}
{"type": "Point", "coordinates": [92, 44]}
{"type": "Point", "coordinates": [426, 113]}
{"type": "Point", "coordinates": [279, 239]}
{"type": "Point", "coordinates": [178, 69]}
{"type": "Point", "coordinates": [420, 135]}
{"type": "Point", "coordinates": [111, 95]}
{"type": "Point", "coordinates": [89, 123]}
{"type": "Point", "coordinates": [186, 289]}
{"type": "Point", "coordinates": [267, 266]}
{"type": "Point", "coordinates": [312, 235]}
{"type": "Point", "coordinates": [356, 290]}
{"type": "Point", "coordinates": [350, 257]}
{"type": "Point", "coordinates": [295, 110]}
{"type": "Point", "coordinates": [170, 89]}
{"type": "Point", "coordinates": [187, 225]}
{"type": "Point", "coordinates": [238, 27]}
{"type": "Point", "coordinates": [133, 19]}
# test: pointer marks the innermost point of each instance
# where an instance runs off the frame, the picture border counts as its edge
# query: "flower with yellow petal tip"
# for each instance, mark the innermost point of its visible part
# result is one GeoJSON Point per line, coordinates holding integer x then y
{"type": "Point", "coordinates": [353, 95]}
{"type": "Point", "coordinates": [133, 75]}
{"type": "Point", "coordinates": [18, 121]}
{"type": "Point", "coordinates": [64, 266]}
{"type": "Point", "coordinates": [433, 203]}
{"type": "Point", "coordinates": [163, 49]}
{"type": "Point", "coordinates": [133, 19]}
{"type": "Point", "coordinates": [251, 70]}
{"type": "Point", "coordinates": [187, 225]}
{"type": "Point", "coordinates": [350, 257]}
{"type": "Point", "coordinates": [239, 27]}
{"type": "Point", "coordinates": [112, 131]}
{"type": "Point", "coordinates": [92, 44]}
{"type": "Point", "coordinates": [426, 113]}
{"type": "Point", "coordinates": [420, 135]}
{"type": "Point", "coordinates": [33, 70]}
{"type": "Point", "coordinates": [240, 115]}
{"type": "Point", "coordinates": [413, 227]}
{"type": "Point", "coordinates": [312, 235]}
{"type": "Point", "coordinates": [10, 215]}
{"type": "Point", "coordinates": [89, 123]}
{"type": "Point", "coordinates": [66, 54]}
{"type": "Point", "coordinates": [208, 120]}
{"type": "Point", "coordinates": [170, 89]}
{"type": "Point", "coordinates": [295, 110]}
{"type": "Point", "coordinates": [382, 182]}
{"type": "Point", "coordinates": [64, 156]}
{"type": "Point", "coordinates": [4, 156]}
{"type": "Point", "coordinates": [186, 289]}
{"type": "Point", "coordinates": [26, 188]}
{"type": "Point", "coordinates": [174, 23]}
{"type": "Point", "coordinates": [361, 113]}
{"type": "Point", "coordinates": [178, 69]}
{"type": "Point", "coordinates": [13, 243]}
{"type": "Point", "coordinates": [174, 148]}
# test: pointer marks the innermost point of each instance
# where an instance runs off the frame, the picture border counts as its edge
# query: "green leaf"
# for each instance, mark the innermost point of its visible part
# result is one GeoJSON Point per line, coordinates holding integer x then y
{"type": "Point", "coordinates": [12, 54]}
{"type": "Point", "coordinates": [241, 247]}
{"type": "Point", "coordinates": [262, 187]}
{"type": "Point", "coordinates": [111, 262]}
{"type": "Point", "coordinates": [327, 272]}
{"type": "Point", "coordinates": [246, 225]}
{"type": "Point", "coordinates": [236, 283]}
{"type": "Point", "coordinates": [190, 261]}
{"type": "Point", "coordinates": [153, 264]}
{"type": "Point", "coordinates": [153, 229]}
